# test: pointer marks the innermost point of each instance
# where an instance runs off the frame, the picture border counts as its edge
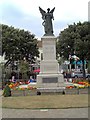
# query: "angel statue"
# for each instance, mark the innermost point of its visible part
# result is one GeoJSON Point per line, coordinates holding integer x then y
{"type": "Point", "coordinates": [47, 17]}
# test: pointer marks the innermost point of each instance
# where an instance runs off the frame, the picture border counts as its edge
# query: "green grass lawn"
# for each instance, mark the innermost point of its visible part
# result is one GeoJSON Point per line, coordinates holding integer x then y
{"type": "Point", "coordinates": [46, 101]}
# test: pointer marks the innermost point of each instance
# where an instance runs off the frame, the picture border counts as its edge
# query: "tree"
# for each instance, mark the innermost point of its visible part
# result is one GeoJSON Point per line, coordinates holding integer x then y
{"type": "Point", "coordinates": [24, 68]}
{"type": "Point", "coordinates": [18, 44]}
{"type": "Point", "coordinates": [75, 40]}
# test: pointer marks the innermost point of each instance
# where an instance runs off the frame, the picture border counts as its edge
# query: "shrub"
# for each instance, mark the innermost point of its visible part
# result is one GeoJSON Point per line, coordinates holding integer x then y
{"type": "Point", "coordinates": [7, 91]}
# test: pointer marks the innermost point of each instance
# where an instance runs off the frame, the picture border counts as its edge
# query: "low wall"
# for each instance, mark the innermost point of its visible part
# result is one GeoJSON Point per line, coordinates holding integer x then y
{"type": "Point", "coordinates": [51, 92]}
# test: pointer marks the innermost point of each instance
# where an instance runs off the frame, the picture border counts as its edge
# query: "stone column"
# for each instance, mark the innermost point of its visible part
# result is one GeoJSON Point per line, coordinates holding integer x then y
{"type": "Point", "coordinates": [49, 68]}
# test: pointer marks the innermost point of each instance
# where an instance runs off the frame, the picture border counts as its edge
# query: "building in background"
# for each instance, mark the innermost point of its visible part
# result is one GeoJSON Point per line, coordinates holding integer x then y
{"type": "Point", "coordinates": [40, 51]}
{"type": "Point", "coordinates": [36, 65]}
{"type": "Point", "coordinates": [2, 59]}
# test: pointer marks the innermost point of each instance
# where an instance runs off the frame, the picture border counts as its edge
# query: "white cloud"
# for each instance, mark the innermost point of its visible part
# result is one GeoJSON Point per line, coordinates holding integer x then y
{"type": "Point", "coordinates": [65, 9]}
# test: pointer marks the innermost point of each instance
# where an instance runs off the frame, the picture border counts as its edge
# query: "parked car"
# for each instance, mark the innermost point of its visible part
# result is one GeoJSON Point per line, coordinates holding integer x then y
{"type": "Point", "coordinates": [79, 75]}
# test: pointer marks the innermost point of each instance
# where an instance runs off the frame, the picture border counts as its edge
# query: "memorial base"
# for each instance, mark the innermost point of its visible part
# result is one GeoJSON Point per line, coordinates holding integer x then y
{"type": "Point", "coordinates": [50, 80]}
{"type": "Point", "coordinates": [49, 76]}
{"type": "Point", "coordinates": [51, 91]}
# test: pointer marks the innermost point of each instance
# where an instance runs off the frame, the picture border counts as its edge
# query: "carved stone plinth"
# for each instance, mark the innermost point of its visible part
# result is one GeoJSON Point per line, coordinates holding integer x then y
{"type": "Point", "coordinates": [49, 76]}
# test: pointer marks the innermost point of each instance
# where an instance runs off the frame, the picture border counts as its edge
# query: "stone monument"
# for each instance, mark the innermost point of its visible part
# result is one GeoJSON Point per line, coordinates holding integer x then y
{"type": "Point", "coordinates": [49, 76]}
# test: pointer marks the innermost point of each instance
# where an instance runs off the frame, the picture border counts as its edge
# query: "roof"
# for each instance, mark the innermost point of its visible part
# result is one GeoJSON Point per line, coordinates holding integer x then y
{"type": "Point", "coordinates": [39, 44]}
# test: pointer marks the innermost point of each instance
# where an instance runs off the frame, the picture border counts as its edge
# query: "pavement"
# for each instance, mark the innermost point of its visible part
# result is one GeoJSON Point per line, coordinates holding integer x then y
{"type": "Point", "coordinates": [0, 104]}
{"type": "Point", "coordinates": [45, 113]}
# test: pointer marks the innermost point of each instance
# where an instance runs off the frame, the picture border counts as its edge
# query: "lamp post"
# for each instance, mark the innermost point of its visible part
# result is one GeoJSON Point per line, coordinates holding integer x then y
{"type": "Point", "coordinates": [18, 70]}
{"type": "Point", "coordinates": [70, 57]}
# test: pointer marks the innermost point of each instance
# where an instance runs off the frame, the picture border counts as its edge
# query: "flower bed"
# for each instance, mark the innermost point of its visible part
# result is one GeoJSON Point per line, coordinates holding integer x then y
{"type": "Point", "coordinates": [79, 83]}
{"type": "Point", "coordinates": [31, 86]}
{"type": "Point", "coordinates": [18, 86]}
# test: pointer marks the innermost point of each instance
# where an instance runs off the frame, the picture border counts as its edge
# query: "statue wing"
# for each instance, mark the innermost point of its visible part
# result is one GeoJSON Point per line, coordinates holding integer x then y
{"type": "Point", "coordinates": [42, 12]}
{"type": "Point", "coordinates": [52, 10]}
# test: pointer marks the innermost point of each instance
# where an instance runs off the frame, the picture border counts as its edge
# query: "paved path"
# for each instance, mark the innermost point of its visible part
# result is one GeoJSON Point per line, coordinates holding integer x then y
{"type": "Point", "coordinates": [0, 104]}
{"type": "Point", "coordinates": [48, 113]}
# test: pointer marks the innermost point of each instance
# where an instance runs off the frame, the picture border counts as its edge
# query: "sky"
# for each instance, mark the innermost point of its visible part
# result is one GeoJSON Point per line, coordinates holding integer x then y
{"type": "Point", "coordinates": [25, 14]}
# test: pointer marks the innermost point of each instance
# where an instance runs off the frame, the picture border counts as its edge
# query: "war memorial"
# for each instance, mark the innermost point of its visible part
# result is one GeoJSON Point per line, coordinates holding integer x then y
{"type": "Point", "coordinates": [49, 78]}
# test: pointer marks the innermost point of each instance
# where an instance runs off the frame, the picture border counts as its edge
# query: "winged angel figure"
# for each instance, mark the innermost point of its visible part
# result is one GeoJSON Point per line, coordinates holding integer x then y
{"type": "Point", "coordinates": [47, 17]}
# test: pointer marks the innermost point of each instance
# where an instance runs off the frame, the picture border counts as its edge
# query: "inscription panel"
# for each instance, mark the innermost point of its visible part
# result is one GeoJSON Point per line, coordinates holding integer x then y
{"type": "Point", "coordinates": [49, 49]}
{"type": "Point", "coordinates": [50, 80]}
{"type": "Point", "coordinates": [49, 52]}
{"type": "Point", "coordinates": [50, 67]}
{"type": "Point", "coordinates": [49, 42]}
